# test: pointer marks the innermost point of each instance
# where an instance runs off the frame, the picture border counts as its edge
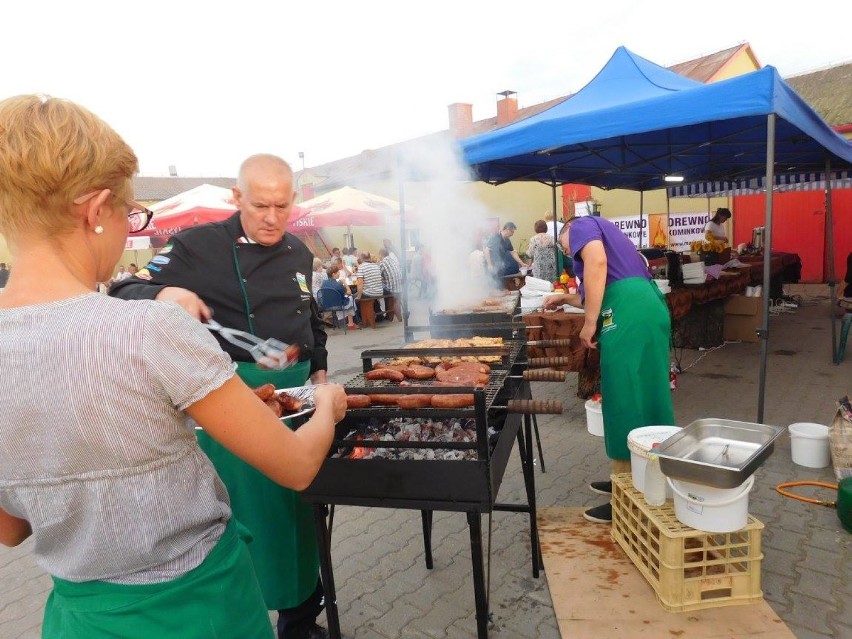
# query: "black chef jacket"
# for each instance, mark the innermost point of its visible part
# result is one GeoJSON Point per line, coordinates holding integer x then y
{"type": "Point", "coordinates": [265, 290]}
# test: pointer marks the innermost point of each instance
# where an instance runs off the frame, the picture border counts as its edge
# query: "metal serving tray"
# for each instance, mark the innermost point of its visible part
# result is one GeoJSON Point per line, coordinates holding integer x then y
{"type": "Point", "coordinates": [717, 452]}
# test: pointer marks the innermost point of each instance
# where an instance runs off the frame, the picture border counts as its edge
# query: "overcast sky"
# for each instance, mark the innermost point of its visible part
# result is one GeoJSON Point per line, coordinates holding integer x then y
{"type": "Point", "coordinates": [201, 85]}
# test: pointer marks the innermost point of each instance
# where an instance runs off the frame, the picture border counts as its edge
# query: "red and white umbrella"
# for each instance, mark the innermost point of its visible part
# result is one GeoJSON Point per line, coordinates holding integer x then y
{"type": "Point", "coordinates": [346, 207]}
{"type": "Point", "coordinates": [205, 203]}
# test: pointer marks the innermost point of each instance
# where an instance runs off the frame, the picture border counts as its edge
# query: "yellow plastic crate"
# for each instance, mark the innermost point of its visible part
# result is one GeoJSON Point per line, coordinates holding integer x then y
{"type": "Point", "coordinates": [688, 569]}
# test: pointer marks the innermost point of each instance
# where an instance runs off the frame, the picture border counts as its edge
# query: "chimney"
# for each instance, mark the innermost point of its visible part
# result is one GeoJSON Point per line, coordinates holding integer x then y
{"type": "Point", "coordinates": [507, 108]}
{"type": "Point", "coordinates": [461, 119]}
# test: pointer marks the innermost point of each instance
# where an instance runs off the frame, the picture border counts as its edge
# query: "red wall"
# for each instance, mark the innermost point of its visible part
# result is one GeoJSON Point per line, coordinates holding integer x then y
{"type": "Point", "coordinates": [798, 226]}
{"type": "Point", "coordinates": [574, 193]}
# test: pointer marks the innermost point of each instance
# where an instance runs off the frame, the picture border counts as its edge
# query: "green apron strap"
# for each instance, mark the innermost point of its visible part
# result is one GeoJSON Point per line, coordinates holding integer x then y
{"type": "Point", "coordinates": [190, 607]}
{"type": "Point", "coordinates": [634, 331]}
{"type": "Point", "coordinates": [284, 549]}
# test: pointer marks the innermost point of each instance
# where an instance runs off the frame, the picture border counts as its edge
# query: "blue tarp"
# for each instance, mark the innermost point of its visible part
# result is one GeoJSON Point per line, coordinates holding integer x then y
{"type": "Point", "coordinates": [636, 122]}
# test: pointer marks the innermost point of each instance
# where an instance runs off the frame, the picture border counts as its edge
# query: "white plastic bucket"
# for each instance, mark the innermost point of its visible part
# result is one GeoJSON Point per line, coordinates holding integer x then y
{"type": "Point", "coordinates": [639, 441]}
{"type": "Point", "coordinates": [594, 418]}
{"type": "Point", "coordinates": [809, 445]}
{"type": "Point", "coordinates": [714, 510]}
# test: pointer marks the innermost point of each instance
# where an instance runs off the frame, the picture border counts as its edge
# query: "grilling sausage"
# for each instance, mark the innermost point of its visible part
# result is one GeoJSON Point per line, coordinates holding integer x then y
{"type": "Point", "coordinates": [386, 399]}
{"type": "Point", "coordinates": [274, 406]}
{"type": "Point", "coordinates": [414, 401]}
{"type": "Point", "coordinates": [265, 392]}
{"type": "Point", "coordinates": [289, 404]}
{"type": "Point", "coordinates": [357, 401]}
{"type": "Point", "coordinates": [385, 373]}
{"type": "Point", "coordinates": [452, 401]}
{"type": "Point", "coordinates": [416, 371]}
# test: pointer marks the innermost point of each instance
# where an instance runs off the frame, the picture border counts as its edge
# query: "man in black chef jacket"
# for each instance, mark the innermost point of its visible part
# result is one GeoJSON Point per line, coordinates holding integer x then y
{"type": "Point", "coordinates": [251, 275]}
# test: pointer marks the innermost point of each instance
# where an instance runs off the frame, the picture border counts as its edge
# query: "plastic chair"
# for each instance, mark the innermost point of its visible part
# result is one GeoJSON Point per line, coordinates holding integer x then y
{"type": "Point", "coordinates": [331, 300]}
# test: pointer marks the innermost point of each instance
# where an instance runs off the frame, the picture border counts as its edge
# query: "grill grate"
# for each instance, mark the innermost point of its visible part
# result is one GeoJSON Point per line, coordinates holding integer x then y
{"type": "Point", "coordinates": [511, 350]}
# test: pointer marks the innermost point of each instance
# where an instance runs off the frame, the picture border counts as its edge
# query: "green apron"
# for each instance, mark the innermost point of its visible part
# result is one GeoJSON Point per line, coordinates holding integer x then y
{"type": "Point", "coordinates": [284, 546]}
{"type": "Point", "coordinates": [220, 599]}
{"type": "Point", "coordinates": [634, 331]}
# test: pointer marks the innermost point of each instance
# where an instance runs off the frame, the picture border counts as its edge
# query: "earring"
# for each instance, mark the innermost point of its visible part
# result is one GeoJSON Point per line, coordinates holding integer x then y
{"type": "Point", "coordinates": [99, 229]}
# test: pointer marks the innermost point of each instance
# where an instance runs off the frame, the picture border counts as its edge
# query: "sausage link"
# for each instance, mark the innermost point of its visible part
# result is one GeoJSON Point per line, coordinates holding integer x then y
{"type": "Point", "coordinates": [452, 401]}
{"type": "Point", "coordinates": [357, 401]}
{"type": "Point", "coordinates": [386, 399]}
{"type": "Point", "coordinates": [414, 401]}
{"type": "Point", "coordinates": [267, 391]}
{"type": "Point", "coordinates": [274, 406]}
{"type": "Point", "coordinates": [289, 404]}
{"type": "Point", "coordinates": [385, 373]}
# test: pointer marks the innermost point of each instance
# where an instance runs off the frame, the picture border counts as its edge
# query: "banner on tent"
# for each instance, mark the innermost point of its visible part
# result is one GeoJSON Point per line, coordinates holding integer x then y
{"type": "Point", "coordinates": [684, 228]}
{"type": "Point", "coordinates": [655, 230]}
{"type": "Point", "coordinates": [633, 227]}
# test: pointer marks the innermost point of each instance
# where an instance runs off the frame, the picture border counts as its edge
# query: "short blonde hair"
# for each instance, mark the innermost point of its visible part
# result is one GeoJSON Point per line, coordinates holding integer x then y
{"type": "Point", "coordinates": [51, 152]}
{"type": "Point", "coordinates": [317, 262]}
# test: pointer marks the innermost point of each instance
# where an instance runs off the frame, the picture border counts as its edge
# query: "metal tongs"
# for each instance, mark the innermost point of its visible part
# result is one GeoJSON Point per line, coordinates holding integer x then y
{"type": "Point", "coordinates": [269, 353]}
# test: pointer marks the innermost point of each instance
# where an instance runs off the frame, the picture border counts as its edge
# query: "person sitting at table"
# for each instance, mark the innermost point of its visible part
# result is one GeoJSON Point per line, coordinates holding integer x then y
{"type": "Point", "coordinates": [542, 249]}
{"type": "Point", "coordinates": [391, 272]}
{"type": "Point", "coordinates": [500, 255]}
{"type": "Point", "coordinates": [714, 231]}
{"type": "Point", "coordinates": [335, 253]}
{"type": "Point", "coordinates": [335, 281]}
{"type": "Point", "coordinates": [318, 276]}
{"type": "Point", "coordinates": [370, 282]}
{"type": "Point", "coordinates": [350, 260]}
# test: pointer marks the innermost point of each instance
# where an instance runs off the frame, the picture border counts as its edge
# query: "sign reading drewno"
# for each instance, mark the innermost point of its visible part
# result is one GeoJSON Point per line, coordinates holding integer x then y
{"type": "Point", "coordinates": [655, 230]}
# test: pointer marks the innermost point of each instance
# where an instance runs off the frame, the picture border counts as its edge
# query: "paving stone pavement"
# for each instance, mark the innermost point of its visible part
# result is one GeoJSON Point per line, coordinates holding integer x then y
{"type": "Point", "coordinates": [385, 591]}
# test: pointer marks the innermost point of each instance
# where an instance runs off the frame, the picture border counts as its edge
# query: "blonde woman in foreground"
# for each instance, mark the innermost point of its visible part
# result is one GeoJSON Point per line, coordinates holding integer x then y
{"type": "Point", "coordinates": [98, 461]}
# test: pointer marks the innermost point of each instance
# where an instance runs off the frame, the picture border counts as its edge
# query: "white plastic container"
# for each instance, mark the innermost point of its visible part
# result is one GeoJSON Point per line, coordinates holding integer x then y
{"type": "Point", "coordinates": [714, 510]}
{"type": "Point", "coordinates": [655, 481]}
{"type": "Point", "coordinates": [594, 418]}
{"type": "Point", "coordinates": [639, 441]}
{"type": "Point", "coordinates": [809, 445]}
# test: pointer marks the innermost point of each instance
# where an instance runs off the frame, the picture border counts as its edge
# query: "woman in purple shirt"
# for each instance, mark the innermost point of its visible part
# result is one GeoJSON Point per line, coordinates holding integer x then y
{"type": "Point", "coordinates": [628, 319]}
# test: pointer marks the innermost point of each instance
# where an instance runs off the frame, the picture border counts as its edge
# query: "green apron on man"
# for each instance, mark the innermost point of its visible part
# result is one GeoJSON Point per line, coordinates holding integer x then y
{"type": "Point", "coordinates": [220, 599]}
{"type": "Point", "coordinates": [634, 330]}
{"type": "Point", "coordinates": [284, 547]}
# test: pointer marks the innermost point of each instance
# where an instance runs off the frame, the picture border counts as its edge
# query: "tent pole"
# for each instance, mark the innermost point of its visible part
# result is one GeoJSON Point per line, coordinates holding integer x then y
{"type": "Point", "coordinates": [641, 214]}
{"type": "Point", "coordinates": [763, 331]}
{"type": "Point", "coordinates": [829, 230]}
{"type": "Point", "coordinates": [555, 230]}
{"type": "Point", "coordinates": [668, 221]}
{"type": "Point", "coordinates": [403, 247]}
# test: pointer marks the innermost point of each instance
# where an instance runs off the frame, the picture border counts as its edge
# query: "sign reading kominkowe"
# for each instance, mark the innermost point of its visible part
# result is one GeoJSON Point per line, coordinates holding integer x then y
{"type": "Point", "coordinates": [674, 231]}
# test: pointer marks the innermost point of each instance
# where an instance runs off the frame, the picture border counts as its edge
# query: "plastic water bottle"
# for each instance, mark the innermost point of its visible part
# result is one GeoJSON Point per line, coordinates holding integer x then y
{"type": "Point", "coordinates": [655, 480]}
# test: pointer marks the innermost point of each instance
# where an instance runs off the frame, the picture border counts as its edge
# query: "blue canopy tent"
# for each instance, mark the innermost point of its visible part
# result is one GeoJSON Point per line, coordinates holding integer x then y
{"type": "Point", "coordinates": [636, 123]}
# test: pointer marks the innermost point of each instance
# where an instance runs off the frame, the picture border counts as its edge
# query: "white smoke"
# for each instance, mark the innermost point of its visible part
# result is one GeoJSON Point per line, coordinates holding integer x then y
{"type": "Point", "coordinates": [450, 219]}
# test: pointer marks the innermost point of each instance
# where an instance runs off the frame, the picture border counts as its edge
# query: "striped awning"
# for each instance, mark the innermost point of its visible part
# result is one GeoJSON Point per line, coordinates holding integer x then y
{"type": "Point", "coordinates": [783, 183]}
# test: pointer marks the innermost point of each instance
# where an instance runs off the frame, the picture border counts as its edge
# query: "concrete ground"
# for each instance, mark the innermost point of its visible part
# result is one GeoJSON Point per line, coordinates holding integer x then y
{"type": "Point", "coordinates": [385, 591]}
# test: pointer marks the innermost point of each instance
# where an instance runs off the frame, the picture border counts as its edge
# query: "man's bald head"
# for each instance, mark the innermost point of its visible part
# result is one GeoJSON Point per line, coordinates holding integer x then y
{"type": "Point", "coordinates": [263, 166]}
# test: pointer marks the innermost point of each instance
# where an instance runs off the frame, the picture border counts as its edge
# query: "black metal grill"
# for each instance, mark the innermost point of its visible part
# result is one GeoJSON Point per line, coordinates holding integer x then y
{"type": "Point", "coordinates": [469, 485]}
